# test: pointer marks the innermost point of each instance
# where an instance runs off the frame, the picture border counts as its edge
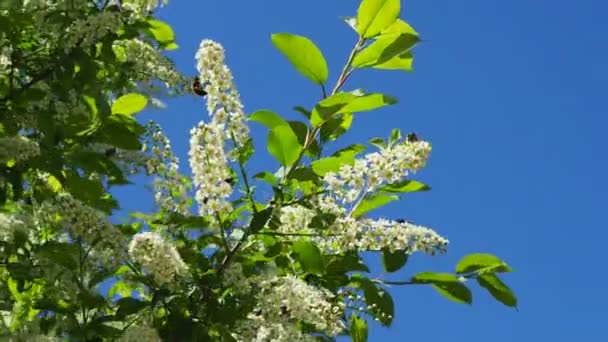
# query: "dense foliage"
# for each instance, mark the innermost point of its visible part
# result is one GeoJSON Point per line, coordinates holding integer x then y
{"type": "Point", "coordinates": [218, 259]}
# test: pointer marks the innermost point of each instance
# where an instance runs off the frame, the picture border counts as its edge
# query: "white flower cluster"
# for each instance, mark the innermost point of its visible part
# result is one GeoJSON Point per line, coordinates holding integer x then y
{"type": "Point", "coordinates": [285, 301]}
{"type": "Point", "coordinates": [223, 100]}
{"type": "Point", "coordinates": [295, 219]}
{"type": "Point", "coordinates": [5, 55]}
{"type": "Point", "coordinates": [89, 30]}
{"type": "Point", "coordinates": [17, 148]}
{"type": "Point", "coordinates": [142, 6]}
{"type": "Point", "coordinates": [234, 276]}
{"type": "Point", "coordinates": [157, 257]}
{"type": "Point", "coordinates": [389, 165]}
{"type": "Point", "coordinates": [148, 63]}
{"type": "Point", "coordinates": [349, 234]}
{"type": "Point", "coordinates": [81, 221]}
{"type": "Point", "coordinates": [171, 190]}
{"type": "Point", "coordinates": [210, 170]}
{"type": "Point", "coordinates": [9, 224]}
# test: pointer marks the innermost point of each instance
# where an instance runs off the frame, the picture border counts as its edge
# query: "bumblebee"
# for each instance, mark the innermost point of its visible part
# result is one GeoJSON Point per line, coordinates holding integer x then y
{"type": "Point", "coordinates": [412, 137]}
{"type": "Point", "coordinates": [197, 87]}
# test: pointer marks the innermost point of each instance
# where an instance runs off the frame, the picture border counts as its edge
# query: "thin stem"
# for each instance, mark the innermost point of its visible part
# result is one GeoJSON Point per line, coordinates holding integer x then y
{"type": "Point", "coordinates": [347, 71]}
{"type": "Point", "coordinates": [323, 90]}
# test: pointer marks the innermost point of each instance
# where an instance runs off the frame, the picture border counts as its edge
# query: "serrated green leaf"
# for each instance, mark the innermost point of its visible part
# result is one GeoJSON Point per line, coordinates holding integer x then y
{"type": "Point", "coordinates": [268, 118]}
{"type": "Point", "coordinates": [303, 54]}
{"type": "Point", "coordinates": [129, 104]}
{"type": "Point", "coordinates": [481, 262]}
{"type": "Point", "coordinates": [374, 16]}
{"type": "Point", "coordinates": [309, 256]}
{"type": "Point", "coordinates": [373, 201]}
{"type": "Point", "coordinates": [283, 144]}
{"type": "Point", "coordinates": [499, 290]}
{"type": "Point", "coordinates": [336, 126]}
{"type": "Point", "coordinates": [393, 261]}
{"type": "Point", "coordinates": [404, 187]}
{"type": "Point", "coordinates": [358, 328]}
{"type": "Point", "coordinates": [447, 285]}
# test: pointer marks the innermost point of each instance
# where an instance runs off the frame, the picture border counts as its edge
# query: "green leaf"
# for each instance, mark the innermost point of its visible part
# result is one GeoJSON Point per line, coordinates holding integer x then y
{"type": "Point", "coordinates": [373, 201]}
{"type": "Point", "coordinates": [402, 62]}
{"type": "Point", "coordinates": [268, 118]}
{"type": "Point", "coordinates": [404, 187]}
{"type": "Point", "coordinates": [384, 50]}
{"type": "Point", "coordinates": [344, 102]}
{"type": "Point", "coordinates": [378, 142]}
{"type": "Point", "coordinates": [160, 30]}
{"type": "Point", "coordinates": [374, 16]}
{"type": "Point", "coordinates": [395, 136]}
{"type": "Point", "coordinates": [393, 261]}
{"type": "Point", "coordinates": [260, 219]}
{"type": "Point", "coordinates": [398, 27]}
{"type": "Point", "coordinates": [353, 149]}
{"type": "Point", "coordinates": [309, 256]}
{"type": "Point", "coordinates": [128, 306]}
{"type": "Point", "coordinates": [302, 111]}
{"type": "Point", "coordinates": [446, 284]}
{"type": "Point", "coordinates": [61, 253]}
{"type": "Point", "coordinates": [129, 104]}
{"type": "Point", "coordinates": [481, 262]}
{"type": "Point", "coordinates": [499, 290]}
{"type": "Point", "coordinates": [331, 164]}
{"type": "Point", "coordinates": [358, 328]}
{"type": "Point", "coordinates": [381, 298]}
{"type": "Point", "coordinates": [267, 177]}
{"type": "Point", "coordinates": [336, 126]}
{"type": "Point", "coordinates": [283, 144]}
{"type": "Point", "coordinates": [303, 54]}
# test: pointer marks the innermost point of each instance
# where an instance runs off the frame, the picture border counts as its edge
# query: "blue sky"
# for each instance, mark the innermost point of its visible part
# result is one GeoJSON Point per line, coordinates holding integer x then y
{"type": "Point", "coordinates": [510, 93]}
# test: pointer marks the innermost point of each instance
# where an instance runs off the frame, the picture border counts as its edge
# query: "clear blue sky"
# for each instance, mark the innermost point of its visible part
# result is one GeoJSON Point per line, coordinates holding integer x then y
{"type": "Point", "coordinates": [512, 94]}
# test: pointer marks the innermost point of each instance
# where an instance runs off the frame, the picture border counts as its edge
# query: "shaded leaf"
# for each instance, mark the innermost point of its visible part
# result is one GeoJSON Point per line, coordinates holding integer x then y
{"type": "Point", "coordinates": [309, 256]}
{"type": "Point", "coordinates": [393, 261]}
{"type": "Point", "coordinates": [499, 290]}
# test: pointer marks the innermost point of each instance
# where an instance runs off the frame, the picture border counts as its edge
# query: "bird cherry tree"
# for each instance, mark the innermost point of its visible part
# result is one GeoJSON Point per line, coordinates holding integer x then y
{"type": "Point", "coordinates": [218, 259]}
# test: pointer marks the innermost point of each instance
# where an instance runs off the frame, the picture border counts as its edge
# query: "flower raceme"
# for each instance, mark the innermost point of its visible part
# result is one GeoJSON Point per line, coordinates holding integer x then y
{"type": "Point", "coordinates": [157, 257]}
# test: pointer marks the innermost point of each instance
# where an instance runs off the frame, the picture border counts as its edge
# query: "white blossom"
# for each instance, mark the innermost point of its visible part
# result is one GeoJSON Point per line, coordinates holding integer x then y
{"type": "Point", "coordinates": [350, 234]}
{"type": "Point", "coordinates": [223, 100]}
{"type": "Point", "coordinates": [295, 219]}
{"type": "Point", "coordinates": [148, 63]}
{"type": "Point", "coordinates": [10, 224]}
{"type": "Point", "coordinates": [18, 148]}
{"type": "Point", "coordinates": [157, 257]}
{"type": "Point", "coordinates": [285, 301]}
{"type": "Point", "coordinates": [90, 29]}
{"type": "Point", "coordinates": [210, 169]}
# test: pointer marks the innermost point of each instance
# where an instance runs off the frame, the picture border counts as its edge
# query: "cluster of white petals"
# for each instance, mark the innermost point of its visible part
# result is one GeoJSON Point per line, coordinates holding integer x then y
{"type": "Point", "coordinates": [210, 169]}
{"type": "Point", "coordinates": [148, 63]}
{"type": "Point", "coordinates": [80, 221]}
{"type": "Point", "coordinates": [157, 257]}
{"type": "Point", "coordinates": [9, 224]}
{"type": "Point", "coordinates": [142, 6]}
{"type": "Point", "coordinates": [89, 30]}
{"type": "Point", "coordinates": [18, 148]}
{"type": "Point", "coordinates": [349, 234]}
{"type": "Point", "coordinates": [389, 165]}
{"type": "Point", "coordinates": [285, 301]}
{"type": "Point", "coordinates": [295, 219]}
{"type": "Point", "coordinates": [171, 191]}
{"type": "Point", "coordinates": [223, 100]}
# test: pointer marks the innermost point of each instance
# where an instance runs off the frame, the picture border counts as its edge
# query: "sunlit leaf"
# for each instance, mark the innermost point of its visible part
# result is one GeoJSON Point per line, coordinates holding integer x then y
{"type": "Point", "coordinates": [447, 285]}
{"type": "Point", "coordinates": [129, 104]}
{"type": "Point", "coordinates": [481, 262]}
{"type": "Point", "coordinates": [358, 328]}
{"type": "Point", "coordinates": [404, 187]}
{"type": "Point", "coordinates": [374, 16]}
{"type": "Point", "coordinates": [499, 290]}
{"type": "Point", "coordinates": [373, 201]}
{"type": "Point", "coordinates": [303, 54]}
{"type": "Point", "coordinates": [309, 256]}
{"type": "Point", "coordinates": [283, 144]}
